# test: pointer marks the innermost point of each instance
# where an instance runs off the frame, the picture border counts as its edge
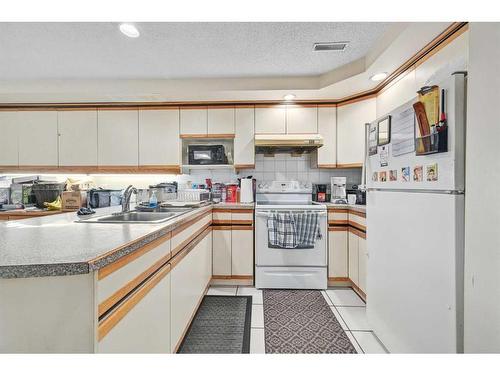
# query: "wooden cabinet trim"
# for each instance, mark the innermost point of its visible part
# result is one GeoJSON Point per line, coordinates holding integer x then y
{"type": "Point", "coordinates": [193, 241]}
{"type": "Point", "coordinates": [338, 210]}
{"type": "Point", "coordinates": [94, 169]}
{"type": "Point", "coordinates": [352, 165]}
{"type": "Point", "coordinates": [106, 325]}
{"type": "Point", "coordinates": [123, 261]}
{"type": "Point", "coordinates": [221, 227]}
{"type": "Point", "coordinates": [242, 227]}
{"type": "Point", "coordinates": [357, 232]}
{"type": "Point", "coordinates": [191, 222]}
{"type": "Point", "coordinates": [112, 300]}
{"type": "Point", "coordinates": [344, 228]}
{"type": "Point", "coordinates": [244, 166]}
{"type": "Point", "coordinates": [235, 210]}
{"type": "Point", "coordinates": [218, 136]}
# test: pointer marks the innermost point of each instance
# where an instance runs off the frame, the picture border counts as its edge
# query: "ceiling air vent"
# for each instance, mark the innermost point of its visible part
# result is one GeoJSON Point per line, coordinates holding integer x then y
{"type": "Point", "coordinates": [330, 46]}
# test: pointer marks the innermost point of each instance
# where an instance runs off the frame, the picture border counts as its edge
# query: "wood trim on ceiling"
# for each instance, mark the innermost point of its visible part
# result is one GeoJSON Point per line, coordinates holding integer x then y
{"type": "Point", "coordinates": [439, 42]}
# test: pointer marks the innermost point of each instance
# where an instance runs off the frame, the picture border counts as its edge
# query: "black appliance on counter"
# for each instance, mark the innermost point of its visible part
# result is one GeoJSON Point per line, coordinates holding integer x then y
{"type": "Point", "coordinates": [360, 194]}
{"type": "Point", "coordinates": [206, 154]}
{"type": "Point", "coordinates": [321, 193]}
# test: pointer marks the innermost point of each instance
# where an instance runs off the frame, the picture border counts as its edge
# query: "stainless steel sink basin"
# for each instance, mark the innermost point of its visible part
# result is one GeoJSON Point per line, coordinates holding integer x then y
{"type": "Point", "coordinates": [134, 217]}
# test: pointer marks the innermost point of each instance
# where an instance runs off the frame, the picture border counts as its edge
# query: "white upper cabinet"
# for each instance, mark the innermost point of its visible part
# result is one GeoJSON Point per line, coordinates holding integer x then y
{"type": "Point", "coordinates": [37, 138]}
{"type": "Point", "coordinates": [327, 127]}
{"type": "Point", "coordinates": [9, 152]}
{"type": "Point", "coordinates": [194, 121]}
{"type": "Point", "coordinates": [159, 143]}
{"type": "Point", "coordinates": [77, 138]}
{"type": "Point", "coordinates": [301, 119]}
{"type": "Point", "coordinates": [351, 120]}
{"type": "Point", "coordinates": [270, 120]}
{"type": "Point", "coordinates": [244, 145]}
{"type": "Point", "coordinates": [118, 135]}
{"type": "Point", "coordinates": [221, 121]}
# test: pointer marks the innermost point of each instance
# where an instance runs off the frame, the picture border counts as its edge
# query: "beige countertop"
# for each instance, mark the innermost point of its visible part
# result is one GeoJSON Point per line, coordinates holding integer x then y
{"type": "Point", "coordinates": [58, 245]}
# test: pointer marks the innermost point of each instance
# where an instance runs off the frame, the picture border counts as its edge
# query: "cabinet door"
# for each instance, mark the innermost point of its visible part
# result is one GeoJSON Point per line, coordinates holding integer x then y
{"type": "Point", "coordinates": [221, 263]}
{"type": "Point", "coordinates": [220, 121]}
{"type": "Point", "coordinates": [351, 120]}
{"type": "Point", "coordinates": [77, 138]}
{"type": "Point", "coordinates": [244, 144]}
{"type": "Point", "coordinates": [38, 138]}
{"type": "Point", "coordinates": [270, 120]}
{"type": "Point", "coordinates": [338, 252]}
{"type": "Point", "coordinates": [145, 324]}
{"type": "Point", "coordinates": [242, 253]}
{"type": "Point", "coordinates": [353, 258]}
{"type": "Point", "coordinates": [118, 138]}
{"type": "Point", "coordinates": [327, 127]}
{"type": "Point", "coordinates": [362, 263]}
{"type": "Point", "coordinates": [159, 143]}
{"type": "Point", "coordinates": [194, 121]}
{"type": "Point", "coordinates": [301, 119]}
{"type": "Point", "coordinates": [189, 278]}
{"type": "Point", "coordinates": [9, 151]}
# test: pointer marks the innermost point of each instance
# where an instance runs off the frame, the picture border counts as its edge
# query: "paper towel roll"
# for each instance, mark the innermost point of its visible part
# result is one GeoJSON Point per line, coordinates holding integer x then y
{"type": "Point", "coordinates": [246, 192]}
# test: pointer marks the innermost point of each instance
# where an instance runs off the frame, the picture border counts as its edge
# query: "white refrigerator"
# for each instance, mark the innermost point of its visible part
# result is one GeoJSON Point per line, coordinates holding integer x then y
{"type": "Point", "coordinates": [415, 234]}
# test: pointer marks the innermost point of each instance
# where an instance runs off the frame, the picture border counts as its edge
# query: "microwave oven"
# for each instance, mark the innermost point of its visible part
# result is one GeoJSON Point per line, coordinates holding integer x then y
{"type": "Point", "coordinates": [206, 154]}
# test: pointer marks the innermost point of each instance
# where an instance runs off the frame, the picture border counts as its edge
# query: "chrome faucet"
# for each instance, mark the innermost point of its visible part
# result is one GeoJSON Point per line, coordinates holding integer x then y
{"type": "Point", "coordinates": [127, 194]}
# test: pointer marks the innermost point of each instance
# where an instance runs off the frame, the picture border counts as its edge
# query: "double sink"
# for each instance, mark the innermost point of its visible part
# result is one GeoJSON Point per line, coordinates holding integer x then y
{"type": "Point", "coordinates": [156, 216]}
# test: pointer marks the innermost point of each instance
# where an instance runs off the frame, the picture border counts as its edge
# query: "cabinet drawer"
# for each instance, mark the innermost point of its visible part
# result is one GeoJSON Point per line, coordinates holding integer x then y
{"type": "Point", "coordinates": [338, 217]}
{"type": "Point", "coordinates": [141, 323]}
{"type": "Point", "coordinates": [184, 234]}
{"type": "Point", "coordinates": [357, 220]}
{"type": "Point", "coordinates": [242, 217]}
{"type": "Point", "coordinates": [118, 279]}
{"type": "Point", "coordinates": [221, 217]}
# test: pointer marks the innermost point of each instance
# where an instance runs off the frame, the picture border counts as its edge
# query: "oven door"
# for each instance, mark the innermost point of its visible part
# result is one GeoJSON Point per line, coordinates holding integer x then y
{"type": "Point", "coordinates": [271, 256]}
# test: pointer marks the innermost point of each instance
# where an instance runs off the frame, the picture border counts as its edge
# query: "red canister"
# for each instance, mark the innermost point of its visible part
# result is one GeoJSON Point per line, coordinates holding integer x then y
{"type": "Point", "coordinates": [231, 193]}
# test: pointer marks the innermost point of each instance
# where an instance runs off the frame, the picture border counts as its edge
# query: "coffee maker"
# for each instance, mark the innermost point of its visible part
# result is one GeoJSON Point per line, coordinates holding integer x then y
{"type": "Point", "coordinates": [339, 193]}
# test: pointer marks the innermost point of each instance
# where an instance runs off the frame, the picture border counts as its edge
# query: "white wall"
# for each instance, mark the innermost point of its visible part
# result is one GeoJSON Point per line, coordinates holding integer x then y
{"type": "Point", "coordinates": [482, 212]}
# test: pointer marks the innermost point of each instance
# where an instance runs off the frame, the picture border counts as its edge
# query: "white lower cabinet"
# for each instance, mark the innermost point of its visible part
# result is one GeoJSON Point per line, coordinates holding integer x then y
{"type": "Point", "coordinates": [338, 252]}
{"type": "Point", "coordinates": [362, 263]}
{"type": "Point", "coordinates": [242, 251]}
{"type": "Point", "coordinates": [353, 258]}
{"type": "Point", "coordinates": [189, 278]}
{"type": "Point", "coordinates": [221, 262]}
{"type": "Point", "coordinates": [145, 325]}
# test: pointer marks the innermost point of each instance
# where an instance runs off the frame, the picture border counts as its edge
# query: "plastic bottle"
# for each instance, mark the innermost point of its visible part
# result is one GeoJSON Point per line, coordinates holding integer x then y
{"type": "Point", "coordinates": [153, 201]}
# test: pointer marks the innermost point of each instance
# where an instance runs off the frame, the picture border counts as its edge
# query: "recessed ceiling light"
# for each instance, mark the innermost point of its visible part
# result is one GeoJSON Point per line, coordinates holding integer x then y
{"type": "Point", "coordinates": [378, 76]}
{"type": "Point", "coordinates": [289, 97]}
{"type": "Point", "coordinates": [129, 30]}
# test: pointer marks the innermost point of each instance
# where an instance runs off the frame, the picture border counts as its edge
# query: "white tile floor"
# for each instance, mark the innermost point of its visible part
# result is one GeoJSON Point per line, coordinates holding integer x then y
{"type": "Point", "coordinates": [346, 305]}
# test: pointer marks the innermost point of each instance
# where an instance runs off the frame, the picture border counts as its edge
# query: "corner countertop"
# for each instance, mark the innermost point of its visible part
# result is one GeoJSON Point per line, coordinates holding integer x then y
{"type": "Point", "coordinates": [234, 206]}
{"type": "Point", "coordinates": [57, 245]}
{"type": "Point", "coordinates": [353, 207]}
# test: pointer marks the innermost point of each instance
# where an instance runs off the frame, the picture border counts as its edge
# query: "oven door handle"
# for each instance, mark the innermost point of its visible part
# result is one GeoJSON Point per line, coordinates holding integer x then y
{"type": "Point", "coordinates": [267, 213]}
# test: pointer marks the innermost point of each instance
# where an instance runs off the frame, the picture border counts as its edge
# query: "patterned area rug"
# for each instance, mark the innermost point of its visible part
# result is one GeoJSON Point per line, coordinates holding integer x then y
{"type": "Point", "coordinates": [221, 325]}
{"type": "Point", "coordinates": [300, 321]}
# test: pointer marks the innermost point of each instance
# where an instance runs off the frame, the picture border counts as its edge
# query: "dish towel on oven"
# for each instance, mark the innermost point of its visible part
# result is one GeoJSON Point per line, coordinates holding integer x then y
{"type": "Point", "coordinates": [291, 231]}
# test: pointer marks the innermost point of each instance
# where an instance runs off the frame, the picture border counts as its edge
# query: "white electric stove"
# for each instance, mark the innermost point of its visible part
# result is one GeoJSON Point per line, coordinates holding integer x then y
{"type": "Point", "coordinates": [277, 268]}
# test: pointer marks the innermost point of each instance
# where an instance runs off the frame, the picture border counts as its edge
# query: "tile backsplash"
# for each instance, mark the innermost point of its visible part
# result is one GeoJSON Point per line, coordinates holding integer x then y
{"type": "Point", "coordinates": [278, 167]}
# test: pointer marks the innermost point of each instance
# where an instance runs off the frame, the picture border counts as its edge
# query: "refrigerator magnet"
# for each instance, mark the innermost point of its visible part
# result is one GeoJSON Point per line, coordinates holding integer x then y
{"type": "Point", "coordinates": [375, 176]}
{"type": "Point", "coordinates": [384, 156]}
{"type": "Point", "coordinates": [432, 172]}
{"type": "Point", "coordinates": [393, 175]}
{"type": "Point", "coordinates": [418, 173]}
{"type": "Point", "coordinates": [405, 174]}
{"type": "Point", "coordinates": [383, 176]}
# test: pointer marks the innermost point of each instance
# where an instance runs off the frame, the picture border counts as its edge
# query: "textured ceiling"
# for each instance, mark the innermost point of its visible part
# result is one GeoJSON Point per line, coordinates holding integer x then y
{"type": "Point", "coordinates": [178, 50]}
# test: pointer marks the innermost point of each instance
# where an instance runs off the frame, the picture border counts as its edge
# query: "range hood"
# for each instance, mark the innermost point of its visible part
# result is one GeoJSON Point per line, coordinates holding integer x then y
{"type": "Point", "coordinates": [287, 143]}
